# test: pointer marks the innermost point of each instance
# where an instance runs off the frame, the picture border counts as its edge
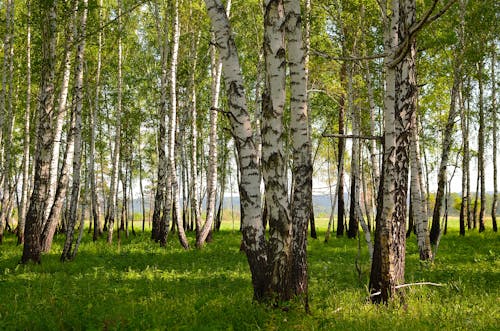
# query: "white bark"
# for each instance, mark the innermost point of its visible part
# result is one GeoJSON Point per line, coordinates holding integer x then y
{"type": "Point", "coordinates": [159, 229]}
{"type": "Point", "coordinates": [77, 156]}
{"type": "Point", "coordinates": [241, 128]}
{"type": "Point", "coordinates": [26, 149]}
{"type": "Point", "coordinates": [495, 136]}
{"type": "Point", "coordinates": [418, 198]}
{"type": "Point", "coordinates": [212, 150]}
{"type": "Point", "coordinates": [381, 277]}
{"type": "Point", "coordinates": [172, 130]}
{"type": "Point", "coordinates": [93, 128]}
{"type": "Point", "coordinates": [61, 109]}
{"type": "Point", "coordinates": [195, 184]}
{"type": "Point", "coordinates": [301, 148]}
{"type": "Point", "coordinates": [113, 187]}
{"type": "Point", "coordinates": [274, 169]}
{"type": "Point", "coordinates": [35, 215]}
{"type": "Point", "coordinates": [6, 124]}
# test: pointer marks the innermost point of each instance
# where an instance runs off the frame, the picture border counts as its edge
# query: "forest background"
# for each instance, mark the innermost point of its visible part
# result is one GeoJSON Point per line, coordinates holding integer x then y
{"type": "Point", "coordinates": [135, 115]}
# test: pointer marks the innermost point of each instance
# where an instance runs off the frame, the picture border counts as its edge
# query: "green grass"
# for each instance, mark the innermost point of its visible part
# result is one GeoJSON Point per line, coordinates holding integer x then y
{"type": "Point", "coordinates": [139, 286]}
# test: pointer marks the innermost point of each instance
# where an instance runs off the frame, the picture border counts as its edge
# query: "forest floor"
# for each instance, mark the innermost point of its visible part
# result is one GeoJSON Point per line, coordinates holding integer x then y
{"type": "Point", "coordinates": [136, 285]}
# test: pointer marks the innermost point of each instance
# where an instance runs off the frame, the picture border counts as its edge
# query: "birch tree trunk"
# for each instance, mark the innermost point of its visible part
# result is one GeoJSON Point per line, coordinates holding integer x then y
{"type": "Point", "coordinates": [113, 187]}
{"type": "Point", "coordinates": [382, 278]}
{"type": "Point", "coordinates": [161, 185]}
{"type": "Point", "coordinates": [254, 243]}
{"type": "Point", "coordinates": [495, 137]}
{"type": "Point", "coordinates": [67, 253]}
{"type": "Point", "coordinates": [481, 135]}
{"type": "Point", "coordinates": [6, 123]}
{"type": "Point", "coordinates": [445, 152]}
{"type": "Point", "coordinates": [353, 228]}
{"type": "Point", "coordinates": [341, 151]}
{"type": "Point", "coordinates": [465, 204]}
{"type": "Point", "coordinates": [389, 251]}
{"type": "Point", "coordinates": [93, 129]}
{"type": "Point", "coordinates": [418, 197]}
{"type": "Point", "coordinates": [301, 208]}
{"type": "Point", "coordinates": [195, 184]}
{"type": "Point", "coordinates": [6, 86]}
{"type": "Point", "coordinates": [273, 162]}
{"type": "Point", "coordinates": [62, 106]}
{"type": "Point", "coordinates": [35, 215]}
{"type": "Point", "coordinates": [49, 227]}
{"type": "Point", "coordinates": [174, 196]}
{"type": "Point", "coordinates": [212, 150]}
{"type": "Point", "coordinates": [26, 146]}
{"type": "Point", "coordinates": [141, 188]}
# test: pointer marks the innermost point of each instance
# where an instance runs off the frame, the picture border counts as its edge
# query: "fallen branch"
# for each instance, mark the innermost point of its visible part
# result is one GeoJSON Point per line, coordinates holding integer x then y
{"type": "Point", "coordinates": [408, 285]}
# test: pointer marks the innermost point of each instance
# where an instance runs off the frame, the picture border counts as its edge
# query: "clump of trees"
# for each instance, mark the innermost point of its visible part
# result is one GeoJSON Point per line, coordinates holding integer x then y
{"type": "Point", "coordinates": [169, 102]}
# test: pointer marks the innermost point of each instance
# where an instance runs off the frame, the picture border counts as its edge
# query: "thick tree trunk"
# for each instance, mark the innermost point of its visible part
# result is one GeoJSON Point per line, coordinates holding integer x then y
{"type": "Point", "coordinates": [254, 243]}
{"type": "Point", "coordinates": [38, 200]}
{"type": "Point", "coordinates": [390, 240]}
{"type": "Point", "coordinates": [273, 162]}
{"type": "Point", "coordinates": [301, 148]}
{"type": "Point", "coordinates": [49, 227]}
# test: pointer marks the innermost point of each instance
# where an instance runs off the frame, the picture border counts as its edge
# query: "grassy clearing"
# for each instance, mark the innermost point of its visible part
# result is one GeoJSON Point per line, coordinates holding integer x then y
{"type": "Point", "coordinates": [137, 285]}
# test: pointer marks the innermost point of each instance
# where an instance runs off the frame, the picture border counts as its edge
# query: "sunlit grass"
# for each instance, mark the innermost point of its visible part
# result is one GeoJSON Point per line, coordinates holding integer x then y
{"type": "Point", "coordinates": [138, 285]}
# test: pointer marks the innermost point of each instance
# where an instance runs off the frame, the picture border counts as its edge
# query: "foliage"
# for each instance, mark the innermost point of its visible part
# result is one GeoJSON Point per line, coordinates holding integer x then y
{"type": "Point", "coordinates": [137, 285]}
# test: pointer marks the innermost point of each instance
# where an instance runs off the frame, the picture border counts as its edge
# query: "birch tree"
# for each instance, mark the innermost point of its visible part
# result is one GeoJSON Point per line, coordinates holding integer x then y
{"type": "Point", "coordinates": [172, 200]}
{"type": "Point", "coordinates": [26, 142]}
{"type": "Point", "coordinates": [62, 104]}
{"type": "Point", "coordinates": [216, 66]}
{"type": "Point", "coordinates": [446, 146]}
{"type": "Point", "coordinates": [495, 136]}
{"type": "Point", "coordinates": [481, 143]}
{"type": "Point", "coordinates": [263, 257]}
{"type": "Point", "coordinates": [418, 204]}
{"type": "Point", "coordinates": [35, 215]}
{"type": "Point", "coordinates": [301, 208]}
{"type": "Point", "coordinates": [160, 196]}
{"type": "Point", "coordinates": [113, 187]}
{"type": "Point", "coordinates": [7, 121]}
{"type": "Point", "coordinates": [93, 129]}
{"type": "Point", "coordinates": [67, 253]}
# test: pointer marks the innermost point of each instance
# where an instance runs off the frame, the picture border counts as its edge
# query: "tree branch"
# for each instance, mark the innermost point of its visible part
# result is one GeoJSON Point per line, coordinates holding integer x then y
{"type": "Point", "coordinates": [404, 48]}
{"type": "Point", "coordinates": [408, 285]}
{"type": "Point", "coordinates": [349, 58]}
{"type": "Point", "coordinates": [351, 136]}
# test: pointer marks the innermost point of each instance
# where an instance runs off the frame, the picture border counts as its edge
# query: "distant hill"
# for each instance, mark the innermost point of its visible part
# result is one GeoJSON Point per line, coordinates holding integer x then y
{"type": "Point", "coordinates": [321, 203]}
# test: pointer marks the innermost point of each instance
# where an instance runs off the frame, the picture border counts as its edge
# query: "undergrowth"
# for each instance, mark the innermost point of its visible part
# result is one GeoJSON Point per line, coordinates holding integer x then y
{"type": "Point", "coordinates": [137, 285]}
